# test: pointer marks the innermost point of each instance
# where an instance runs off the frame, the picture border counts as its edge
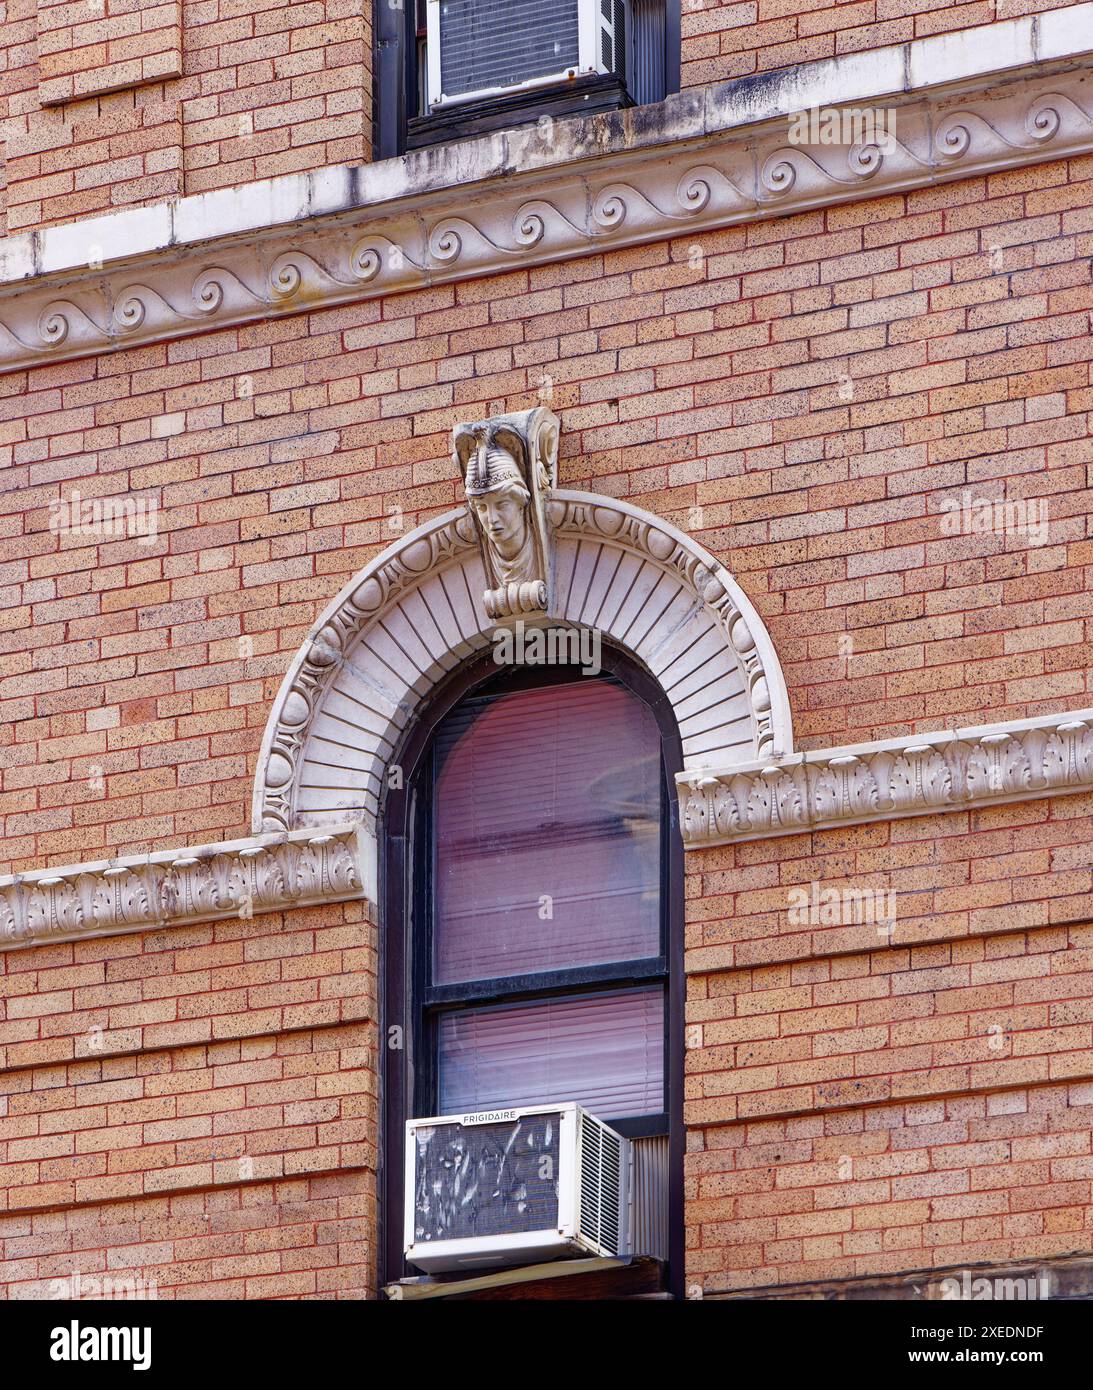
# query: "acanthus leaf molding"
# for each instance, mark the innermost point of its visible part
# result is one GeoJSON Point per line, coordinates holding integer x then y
{"type": "Point", "coordinates": [921, 774]}
{"type": "Point", "coordinates": [181, 887]}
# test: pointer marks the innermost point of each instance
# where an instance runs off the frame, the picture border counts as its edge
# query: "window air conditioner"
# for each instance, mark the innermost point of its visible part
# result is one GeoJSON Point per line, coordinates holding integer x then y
{"type": "Point", "coordinates": [509, 1187]}
{"type": "Point", "coordinates": [489, 48]}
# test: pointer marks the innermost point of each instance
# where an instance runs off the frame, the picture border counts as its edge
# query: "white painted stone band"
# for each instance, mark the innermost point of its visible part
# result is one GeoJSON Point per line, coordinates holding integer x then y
{"type": "Point", "coordinates": [984, 100]}
{"type": "Point", "coordinates": [917, 775]}
{"type": "Point", "coordinates": [179, 887]}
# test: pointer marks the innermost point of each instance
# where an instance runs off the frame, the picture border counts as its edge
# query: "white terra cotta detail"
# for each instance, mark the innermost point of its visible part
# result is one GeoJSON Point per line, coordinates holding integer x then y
{"type": "Point", "coordinates": [179, 887]}
{"type": "Point", "coordinates": [417, 611]}
{"type": "Point", "coordinates": [509, 466]}
{"type": "Point", "coordinates": [920, 774]}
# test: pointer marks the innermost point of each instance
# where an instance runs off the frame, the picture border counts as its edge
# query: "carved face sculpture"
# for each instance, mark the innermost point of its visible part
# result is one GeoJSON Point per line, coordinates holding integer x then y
{"type": "Point", "coordinates": [499, 498]}
{"type": "Point", "coordinates": [502, 515]}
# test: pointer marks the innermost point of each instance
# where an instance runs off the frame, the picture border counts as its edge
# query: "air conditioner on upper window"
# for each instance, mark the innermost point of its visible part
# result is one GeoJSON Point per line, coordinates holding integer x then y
{"type": "Point", "coordinates": [489, 48]}
{"type": "Point", "coordinates": [508, 1187]}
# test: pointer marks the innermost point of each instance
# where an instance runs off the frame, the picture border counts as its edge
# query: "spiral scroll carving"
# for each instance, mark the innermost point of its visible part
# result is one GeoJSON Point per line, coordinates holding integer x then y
{"type": "Point", "coordinates": [620, 197]}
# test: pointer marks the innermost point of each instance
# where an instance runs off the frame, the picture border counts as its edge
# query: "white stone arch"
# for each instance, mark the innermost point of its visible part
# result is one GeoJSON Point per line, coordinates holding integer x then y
{"type": "Point", "coordinates": [415, 612]}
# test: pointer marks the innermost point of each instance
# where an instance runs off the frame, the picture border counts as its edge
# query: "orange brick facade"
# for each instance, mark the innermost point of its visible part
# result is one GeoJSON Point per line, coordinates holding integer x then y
{"type": "Point", "coordinates": [803, 395]}
{"type": "Point", "coordinates": [252, 91]}
{"type": "Point", "coordinates": [195, 1108]}
{"type": "Point", "coordinates": [736, 38]}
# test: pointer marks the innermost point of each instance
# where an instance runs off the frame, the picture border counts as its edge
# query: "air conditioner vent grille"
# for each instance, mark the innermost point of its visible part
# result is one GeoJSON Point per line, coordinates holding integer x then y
{"type": "Point", "coordinates": [601, 1183]}
{"type": "Point", "coordinates": [484, 1180]}
{"type": "Point", "coordinates": [613, 36]}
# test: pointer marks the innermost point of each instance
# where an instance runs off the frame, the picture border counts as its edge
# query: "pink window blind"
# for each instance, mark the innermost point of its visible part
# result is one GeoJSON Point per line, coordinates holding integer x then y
{"type": "Point", "coordinates": [605, 1051]}
{"type": "Point", "coordinates": [547, 811]}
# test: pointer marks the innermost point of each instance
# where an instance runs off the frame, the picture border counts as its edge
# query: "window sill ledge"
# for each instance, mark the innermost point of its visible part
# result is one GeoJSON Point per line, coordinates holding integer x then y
{"type": "Point", "coordinates": [639, 1276]}
{"type": "Point", "coordinates": [588, 96]}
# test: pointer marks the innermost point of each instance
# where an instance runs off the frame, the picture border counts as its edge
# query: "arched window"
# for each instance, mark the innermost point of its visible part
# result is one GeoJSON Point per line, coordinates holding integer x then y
{"type": "Point", "coordinates": [532, 908]}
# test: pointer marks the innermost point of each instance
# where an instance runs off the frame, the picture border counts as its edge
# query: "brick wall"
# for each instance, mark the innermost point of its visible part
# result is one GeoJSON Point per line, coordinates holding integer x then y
{"type": "Point", "coordinates": [88, 47]}
{"type": "Point", "coordinates": [710, 388]}
{"type": "Point", "coordinates": [958, 1181]}
{"type": "Point", "coordinates": [91, 156]}
{"type": "Point", "coordinates": [803, 396]}
{"type": "Point", "coordinates": [302, 1238]}
{"type": "Point", "coordinates": [864, 1099]}
{"type": "Point", "coordinates": [195, 1107]}
{"type": "Point", "coordinates": [275, 89]}
{"type": "Point", "coordinates": [265, 89]}
{"type": "Point", "coordinates": [722, 39]}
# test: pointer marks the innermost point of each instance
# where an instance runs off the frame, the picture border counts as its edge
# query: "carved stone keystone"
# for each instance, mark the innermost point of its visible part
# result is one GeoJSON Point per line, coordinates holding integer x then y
{"type": "Point", "coordinates": [509, 466]}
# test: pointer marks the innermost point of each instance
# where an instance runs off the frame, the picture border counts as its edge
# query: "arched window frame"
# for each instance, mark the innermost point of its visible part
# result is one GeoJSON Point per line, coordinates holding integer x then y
{"type": "Point", "coordinates": [404, 838]}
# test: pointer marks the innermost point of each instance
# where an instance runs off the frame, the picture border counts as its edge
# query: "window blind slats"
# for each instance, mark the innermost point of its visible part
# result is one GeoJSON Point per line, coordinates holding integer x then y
{"type": "Point", "coordinates": [547, 832]}
{"type": "Point", "coordinates": [605, 1051]}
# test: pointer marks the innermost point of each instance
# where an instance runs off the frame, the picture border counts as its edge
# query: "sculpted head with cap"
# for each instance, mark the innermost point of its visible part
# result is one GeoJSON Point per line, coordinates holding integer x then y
{"type": "Point", "coordinates": [508, 467]}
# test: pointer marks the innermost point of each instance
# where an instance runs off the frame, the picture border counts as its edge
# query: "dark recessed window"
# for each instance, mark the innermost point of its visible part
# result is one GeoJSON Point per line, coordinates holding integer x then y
{"type": "Point", "coordinates": [546, 825]}
{"type": "Point", "coordinates": [544, 975]}
{"type": "Point", "coordinates": [532, 916]}
{"type": "Point", "coordinates": [449, 69]}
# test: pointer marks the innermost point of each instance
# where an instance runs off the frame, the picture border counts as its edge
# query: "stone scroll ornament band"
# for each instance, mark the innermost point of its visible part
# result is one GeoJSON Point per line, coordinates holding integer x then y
{"type": "Point", "coordinates": [509, 466]}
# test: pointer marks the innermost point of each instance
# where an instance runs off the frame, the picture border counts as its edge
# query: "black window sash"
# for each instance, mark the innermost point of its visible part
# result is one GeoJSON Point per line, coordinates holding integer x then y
{"type": "Point", "coordinates": [411, 1003]}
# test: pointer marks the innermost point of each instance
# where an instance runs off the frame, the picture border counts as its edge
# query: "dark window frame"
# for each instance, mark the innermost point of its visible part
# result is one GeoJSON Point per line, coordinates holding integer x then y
{"type": "Point", "coordinates": [395, 87]}
{"type": "Point", "coordinates": [408, 1072]}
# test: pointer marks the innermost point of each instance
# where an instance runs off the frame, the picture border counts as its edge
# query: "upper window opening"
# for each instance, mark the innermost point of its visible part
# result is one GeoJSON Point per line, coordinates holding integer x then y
{"type": "Point", "coordinates": [448, 69]}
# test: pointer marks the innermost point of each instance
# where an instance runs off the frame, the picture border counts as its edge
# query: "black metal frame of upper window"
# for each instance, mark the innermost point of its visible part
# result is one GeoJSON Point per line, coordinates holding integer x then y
{"type": "Point", "coordinates": [412, 1004]}
{"type": "Point", "coordinates": [397, 119]}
